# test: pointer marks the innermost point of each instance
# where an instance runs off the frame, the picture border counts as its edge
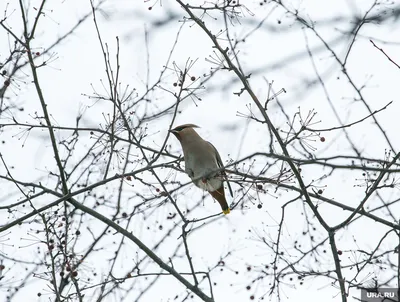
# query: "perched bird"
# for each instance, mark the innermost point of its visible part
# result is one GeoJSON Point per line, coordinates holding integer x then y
{"type": "Point", "coordinates": [203, 163]}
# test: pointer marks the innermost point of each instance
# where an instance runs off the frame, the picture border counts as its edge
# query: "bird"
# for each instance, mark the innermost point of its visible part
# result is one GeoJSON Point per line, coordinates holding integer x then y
{"type": "Point", "coordinates": [203, 163]}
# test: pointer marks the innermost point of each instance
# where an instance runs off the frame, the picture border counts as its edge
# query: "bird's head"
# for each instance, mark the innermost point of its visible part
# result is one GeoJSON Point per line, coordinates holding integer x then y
{"type": "Point", "coordinates": [184, 131]}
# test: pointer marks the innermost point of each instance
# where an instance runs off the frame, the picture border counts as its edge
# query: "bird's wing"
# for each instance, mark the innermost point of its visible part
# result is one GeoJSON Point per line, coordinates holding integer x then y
{"type": "Point", "coordinates": [221, 165]}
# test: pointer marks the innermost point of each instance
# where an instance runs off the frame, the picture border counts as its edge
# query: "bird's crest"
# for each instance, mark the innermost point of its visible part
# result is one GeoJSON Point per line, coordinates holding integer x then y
{"type": "Point", "coordinates": [180, 128]}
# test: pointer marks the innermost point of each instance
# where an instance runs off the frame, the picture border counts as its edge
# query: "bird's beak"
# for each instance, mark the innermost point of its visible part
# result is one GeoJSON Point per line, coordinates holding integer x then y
{"type": "Point", "coordinates": [174, 132]}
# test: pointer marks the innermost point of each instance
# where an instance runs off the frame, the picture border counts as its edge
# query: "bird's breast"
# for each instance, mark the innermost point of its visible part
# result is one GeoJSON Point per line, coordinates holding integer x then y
{"type": "Point", "coordinates": [201, 169]}
{"type": "Point", "coordinates": [201, 164]}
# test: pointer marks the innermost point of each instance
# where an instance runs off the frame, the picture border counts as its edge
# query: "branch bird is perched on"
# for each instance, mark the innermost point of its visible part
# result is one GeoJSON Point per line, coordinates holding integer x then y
{"type": "Point", "coordinates": [203, 163]}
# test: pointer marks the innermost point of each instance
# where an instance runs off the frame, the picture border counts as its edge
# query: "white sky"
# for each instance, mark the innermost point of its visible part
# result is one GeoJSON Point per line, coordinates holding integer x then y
{"type": "Point", "coordinates": [280, 56]}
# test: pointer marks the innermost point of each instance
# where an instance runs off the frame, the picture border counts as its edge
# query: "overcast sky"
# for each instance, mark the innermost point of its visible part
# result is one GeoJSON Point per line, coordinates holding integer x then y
{"type": "Point", "coordinates": [273, 47]}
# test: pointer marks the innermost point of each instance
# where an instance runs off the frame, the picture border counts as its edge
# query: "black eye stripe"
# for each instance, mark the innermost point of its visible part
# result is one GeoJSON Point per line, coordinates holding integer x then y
{"type": "Point", "coordinates": [180, 128]}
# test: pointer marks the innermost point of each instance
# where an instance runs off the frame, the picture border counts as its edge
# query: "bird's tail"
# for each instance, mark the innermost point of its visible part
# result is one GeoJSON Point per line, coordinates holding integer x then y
{"type": "Point", "coordinates": [219, 195]}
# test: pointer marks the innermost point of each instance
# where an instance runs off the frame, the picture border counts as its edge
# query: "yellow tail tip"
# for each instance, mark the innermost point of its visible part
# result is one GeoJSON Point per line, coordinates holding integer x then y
{"type": "Point", "coordinates": [227, 211]}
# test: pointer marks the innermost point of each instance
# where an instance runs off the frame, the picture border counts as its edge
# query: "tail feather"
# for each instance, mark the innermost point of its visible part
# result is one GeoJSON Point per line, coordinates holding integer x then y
{"type": "Point", "coordinates": [219, 195]}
